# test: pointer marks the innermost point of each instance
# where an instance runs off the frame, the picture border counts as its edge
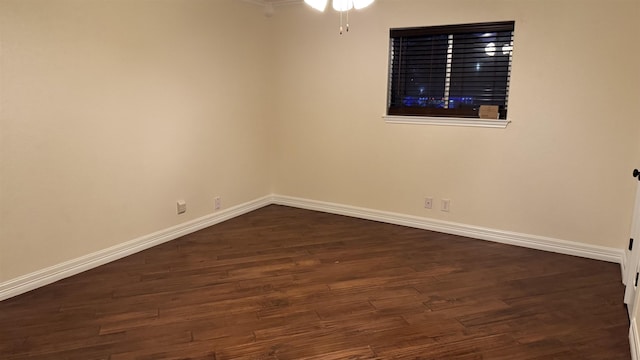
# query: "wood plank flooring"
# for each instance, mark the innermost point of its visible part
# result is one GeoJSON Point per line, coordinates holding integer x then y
{"type": "Point", "coordinates": [282, 283]}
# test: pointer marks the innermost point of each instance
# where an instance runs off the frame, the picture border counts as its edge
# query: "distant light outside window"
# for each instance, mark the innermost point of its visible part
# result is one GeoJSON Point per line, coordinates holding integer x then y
{"type": "Point", "coordinates": [450, 71]}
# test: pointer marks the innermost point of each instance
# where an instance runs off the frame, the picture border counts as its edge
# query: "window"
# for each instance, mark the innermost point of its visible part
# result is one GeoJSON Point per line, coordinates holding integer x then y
{"type": "Point", "coordinates": [450, 71]}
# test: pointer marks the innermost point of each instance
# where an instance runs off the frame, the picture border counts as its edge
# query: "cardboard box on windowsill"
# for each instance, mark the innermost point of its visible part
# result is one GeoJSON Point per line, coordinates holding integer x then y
{"type": "Point", "coordinates": [488, 112]}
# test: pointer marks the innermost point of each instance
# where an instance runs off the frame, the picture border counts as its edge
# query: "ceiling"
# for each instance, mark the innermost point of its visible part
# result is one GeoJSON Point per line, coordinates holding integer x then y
{"type": "Point", "coordinates": [269, 6]}
{"type": "Point", "coordinates": [273, 3]}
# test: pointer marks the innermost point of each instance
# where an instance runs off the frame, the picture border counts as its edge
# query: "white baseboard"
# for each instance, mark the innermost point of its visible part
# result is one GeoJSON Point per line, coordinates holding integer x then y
{"type": "Point", "coordinates": [75, 266]}
{"type": "Point", "coordinates": [634, 341]}
{"type": "Point", "coordinates": [505, 237]}
{"type": "Point", "coordinates": [60, 271]}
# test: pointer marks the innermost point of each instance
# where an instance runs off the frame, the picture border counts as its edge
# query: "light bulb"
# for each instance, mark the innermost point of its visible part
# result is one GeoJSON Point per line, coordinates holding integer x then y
{"type": "Point", "coordinates": [319, 5]}
{"type": "Point", "coordinates": [360, 4]}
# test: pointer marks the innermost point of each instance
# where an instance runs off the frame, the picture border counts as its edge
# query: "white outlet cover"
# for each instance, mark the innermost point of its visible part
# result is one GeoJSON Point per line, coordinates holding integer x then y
{"type": "Point", "coordinates": [428, 203]}
{"type": "Point", "coordinates": [181, 206]}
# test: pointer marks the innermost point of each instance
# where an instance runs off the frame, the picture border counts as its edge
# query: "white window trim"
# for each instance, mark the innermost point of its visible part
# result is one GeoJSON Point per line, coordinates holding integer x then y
{"type": "Point", "coordinates": [448, 121]}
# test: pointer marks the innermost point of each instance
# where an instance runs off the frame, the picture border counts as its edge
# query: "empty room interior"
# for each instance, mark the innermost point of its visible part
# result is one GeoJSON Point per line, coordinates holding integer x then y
{"type": "Point", "coordinates": [223, 179]}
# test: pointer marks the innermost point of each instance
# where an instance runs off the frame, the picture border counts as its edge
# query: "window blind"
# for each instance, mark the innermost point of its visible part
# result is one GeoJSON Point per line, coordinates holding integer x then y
{"type": "Point", "coordinates": [450, 70]}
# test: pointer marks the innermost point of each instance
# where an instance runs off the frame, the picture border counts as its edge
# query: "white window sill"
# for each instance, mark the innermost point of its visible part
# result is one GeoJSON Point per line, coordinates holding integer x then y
{"type": "Point", "coordinates": [424, 120]}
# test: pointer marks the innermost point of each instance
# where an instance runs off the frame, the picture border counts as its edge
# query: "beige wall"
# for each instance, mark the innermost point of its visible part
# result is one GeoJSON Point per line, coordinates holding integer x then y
{"type": "Point", "coordinates": [562, 167]}
{"type": "Point", "coordinates": [113, 110]}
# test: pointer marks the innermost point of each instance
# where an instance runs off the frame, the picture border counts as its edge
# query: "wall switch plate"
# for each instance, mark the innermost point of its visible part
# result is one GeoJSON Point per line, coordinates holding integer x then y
{"type": "Point", "coordinates": [182, 206]}
{"type": "Point", "coordinates": [445, 205]}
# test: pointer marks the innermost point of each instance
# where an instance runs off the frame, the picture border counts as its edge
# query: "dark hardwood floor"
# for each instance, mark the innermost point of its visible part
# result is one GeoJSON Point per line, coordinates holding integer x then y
{"type": "Point", "coordinates": [283, 283]}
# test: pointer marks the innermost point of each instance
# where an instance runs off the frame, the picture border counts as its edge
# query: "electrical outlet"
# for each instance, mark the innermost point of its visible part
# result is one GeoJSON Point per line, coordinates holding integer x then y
{"type": "Point", "coordinates": [445, 205]}
{"type": "Point", "coordinates": [217, 203]}
{"type": "Point", "coordinates": [181, 206]}
{"type": "Point", "coordinates": [428, 203]}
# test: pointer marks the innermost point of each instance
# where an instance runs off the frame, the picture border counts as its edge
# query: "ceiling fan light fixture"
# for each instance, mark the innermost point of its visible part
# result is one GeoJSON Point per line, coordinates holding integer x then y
{"type": "Point", "coordinates": [342, 5]}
